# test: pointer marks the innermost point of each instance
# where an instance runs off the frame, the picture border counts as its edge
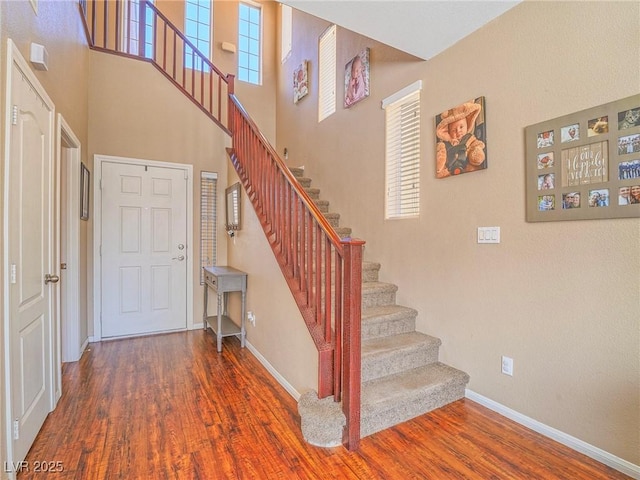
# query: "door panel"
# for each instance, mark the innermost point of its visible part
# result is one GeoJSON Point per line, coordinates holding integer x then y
{"type": "Point", "coordinates": [30, 240]}
{"type": "Point", "coordinates": [143, 272]}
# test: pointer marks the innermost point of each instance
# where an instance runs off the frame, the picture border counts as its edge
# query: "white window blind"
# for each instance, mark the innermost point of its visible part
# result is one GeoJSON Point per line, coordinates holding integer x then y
{"type": "Point", "coordinates": [208, 220]}
{"type": "Point", "coordinates": [327, 73]}
{"type": "Point", "coordinates": [402, 118]}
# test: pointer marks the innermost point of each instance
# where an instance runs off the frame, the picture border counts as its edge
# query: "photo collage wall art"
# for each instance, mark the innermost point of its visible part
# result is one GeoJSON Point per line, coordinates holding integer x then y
{"type": "Point", "coordinates": [585, 165]}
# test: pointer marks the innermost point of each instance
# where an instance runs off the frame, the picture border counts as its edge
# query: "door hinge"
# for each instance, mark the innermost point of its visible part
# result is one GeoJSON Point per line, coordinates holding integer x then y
{"type": "Point", "coordinates": [16, 429]}
{"type": "Point", "coordinates": [100, 184]}
{"type": "Point", "coordinates": [14, 115]}
{"type": "Point", "coordinates": [13, 273]}
{"type": "Point", "coordinates": [186, 175]}
{"type": "Point", "coordinates": [100, 250]}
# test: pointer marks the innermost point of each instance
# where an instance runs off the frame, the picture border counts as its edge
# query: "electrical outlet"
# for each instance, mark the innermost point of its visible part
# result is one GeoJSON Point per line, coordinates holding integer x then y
{"type": "Point", "coordinates": [507, 366]}
{"type": "Point", "coordinates": [252, 318]}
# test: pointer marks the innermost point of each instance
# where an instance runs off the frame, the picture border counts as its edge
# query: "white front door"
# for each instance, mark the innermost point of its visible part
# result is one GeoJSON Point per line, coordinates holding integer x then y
{"type": "Point", "coordinates": [29, 183]}
{"type": "Point", "coordinates": [144, 249]}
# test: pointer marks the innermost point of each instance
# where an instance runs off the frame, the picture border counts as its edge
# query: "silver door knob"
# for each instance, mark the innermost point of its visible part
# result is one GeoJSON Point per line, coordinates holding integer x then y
{"type": "Point", "coordinates": [48, 278]}
{"type": "Point", "coordinates": [181, 247]}
{"type": "Point", "coordinates": [179, 257]}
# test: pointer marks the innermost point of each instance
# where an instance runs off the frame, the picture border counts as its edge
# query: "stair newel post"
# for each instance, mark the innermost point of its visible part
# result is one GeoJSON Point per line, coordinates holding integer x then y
{"type": "Point", "coordinates": [352, 354]}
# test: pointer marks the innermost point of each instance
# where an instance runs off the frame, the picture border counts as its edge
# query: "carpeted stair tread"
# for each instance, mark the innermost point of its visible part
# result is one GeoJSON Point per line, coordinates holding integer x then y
{"type": "Point", "coordinates": [378, 293]}
{"type": "Point", "coordinates": [391, 400]}
{"type": "Point", "coordinates": [383, 313]}
{"type": "Point", "coordinates": [297, 171]}
{"type": "Point", "coordinates": [383, 356]}
{"type": "Point", "coordinates": [370, 271]}
{"type": "Point", "coordinates": [343, 232]}
{"type": "Point", "coordinates": [304, 181]}
{"type": "Point", "coordinates": [323, 205]}
{"type": "Point", "coordinates": [370, 287]}
{"type": "Point", "coordinates": [385, 320]}
{"type": "Point", "coordinates": [403, 341]}
{"type": "Point", "coordinates": [390, 391]}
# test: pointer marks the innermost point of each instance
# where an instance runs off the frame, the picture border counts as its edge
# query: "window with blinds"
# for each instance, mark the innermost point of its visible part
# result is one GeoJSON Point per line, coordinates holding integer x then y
{"type": "Point", "coordinates": [402, 119]}
{"type": "Point", "coordinates": [208, 220]}
{"type": "Point", "coordinates": [327, 73]}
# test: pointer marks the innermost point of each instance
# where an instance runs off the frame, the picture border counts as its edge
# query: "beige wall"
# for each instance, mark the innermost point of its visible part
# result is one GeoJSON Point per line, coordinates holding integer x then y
{"type": "Point", "coordinates": [563, 298]}
{"type": "Point", "coordinates": [58, 27]}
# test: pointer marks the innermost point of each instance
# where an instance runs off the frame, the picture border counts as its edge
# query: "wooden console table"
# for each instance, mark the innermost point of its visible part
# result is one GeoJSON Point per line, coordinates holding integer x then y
{"type": "Point", "coordinates": [224, 280]}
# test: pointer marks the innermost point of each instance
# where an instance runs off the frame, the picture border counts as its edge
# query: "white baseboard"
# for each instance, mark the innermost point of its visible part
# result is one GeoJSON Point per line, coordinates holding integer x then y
{"type": "Point", "coordinates": [576, 444]}
{"type": "Point", "coordinates": [281, 380]}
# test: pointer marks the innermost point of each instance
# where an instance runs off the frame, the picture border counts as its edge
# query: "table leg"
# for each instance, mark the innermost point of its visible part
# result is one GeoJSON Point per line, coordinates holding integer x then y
{"type": "Point", "coordinates": [219, 332]}
{"type": "Point", "coordinates": [206, 301]}
{"type": "Point", "coordinates": [243, 331]}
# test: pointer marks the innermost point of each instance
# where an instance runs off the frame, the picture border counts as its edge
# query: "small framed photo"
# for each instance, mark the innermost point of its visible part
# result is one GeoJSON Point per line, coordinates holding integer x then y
{"type": "Point", "coordinates": [599, 198]}
{"type": "Point", "coordinates": [84, 192]}
{"type": "Point", "coordinates": [546, 181]}
{"type": "Point", "coordinates": [546, 203]}
{"type": "Point", "coordinates": [627, 170]}
{"type": "Point", "coordinates": [598, 126]}
{"type": "Point", "coordinates": [545, 139]}
{"type": "Point", "coordinates": [570, 133]}
{"type": "Point", "coordinates": [356, 79]}
{"type": "Point", "coordinates": [545, 160]}
{"type": "Point", "coordinates": [571, 200]}
{"type": "Point", "coordinates": [629, 144]}
{"type": "Point", "coordinates": [629, 118]}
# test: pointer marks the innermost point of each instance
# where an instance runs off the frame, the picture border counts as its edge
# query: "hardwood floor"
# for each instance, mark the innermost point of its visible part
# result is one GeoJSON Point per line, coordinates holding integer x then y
{"type": "Point", "coordinates": [171, 407]}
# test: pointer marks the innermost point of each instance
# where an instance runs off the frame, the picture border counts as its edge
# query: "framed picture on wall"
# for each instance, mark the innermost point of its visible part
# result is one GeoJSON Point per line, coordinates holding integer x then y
{"type": "Point", "coordinates": [591, 170]}
{"type": "Point", "coordinates": [356, 79]}
{"type": "Point", "coordinates": [462, 139]}
{"type": "Point", "coordinates": [300, 82]}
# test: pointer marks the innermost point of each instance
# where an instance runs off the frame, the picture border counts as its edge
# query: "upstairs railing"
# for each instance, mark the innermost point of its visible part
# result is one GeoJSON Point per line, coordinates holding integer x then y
{"type": "Point", "coordinates": [323, 271]}
{"type": "Point", "coordinates": [136, 28]}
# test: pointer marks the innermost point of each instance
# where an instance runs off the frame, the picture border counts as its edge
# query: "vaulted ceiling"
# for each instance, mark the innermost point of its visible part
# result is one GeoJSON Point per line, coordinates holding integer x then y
{"type": "Point", "coordinates": [422, 28]}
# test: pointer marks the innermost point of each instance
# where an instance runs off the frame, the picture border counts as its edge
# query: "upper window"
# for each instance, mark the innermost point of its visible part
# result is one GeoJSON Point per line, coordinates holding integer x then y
{"type": "Point", "coordinates": [132, 33]}
{"type": "Point", "coordinates": [327, 73]}
{"type": "Point", "coordinates": [249, 44]}
{"type": "Point", "coordinates": [402, 139]}
{"type": "Point", "coordinates": [197, 28]}
{"type": "Point", "coordinates": [286, 31]}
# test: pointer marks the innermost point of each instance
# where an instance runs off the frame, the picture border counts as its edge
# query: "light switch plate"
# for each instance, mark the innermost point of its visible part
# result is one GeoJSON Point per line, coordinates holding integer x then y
{"type": "Point", "coordinates": [488, 234]}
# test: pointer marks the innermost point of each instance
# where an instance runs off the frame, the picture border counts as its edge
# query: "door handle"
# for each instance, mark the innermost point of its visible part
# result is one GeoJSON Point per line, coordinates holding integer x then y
{"type": "Point", "coordinates": [49, 278]}
{"type": "Point", "coordinates": [179, 257]}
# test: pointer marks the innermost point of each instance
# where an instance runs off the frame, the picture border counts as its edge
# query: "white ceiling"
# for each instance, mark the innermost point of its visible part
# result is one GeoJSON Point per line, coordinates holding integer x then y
{"type": "Point", "coordinates": [422, 28]}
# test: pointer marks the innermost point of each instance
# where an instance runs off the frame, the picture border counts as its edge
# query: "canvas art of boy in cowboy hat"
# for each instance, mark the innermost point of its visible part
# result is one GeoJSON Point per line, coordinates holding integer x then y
{"type": "Point", "coordinates": [458, 150]}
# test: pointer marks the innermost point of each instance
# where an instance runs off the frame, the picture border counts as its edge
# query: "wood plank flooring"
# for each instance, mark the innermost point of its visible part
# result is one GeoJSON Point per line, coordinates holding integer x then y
{"type": "Point", "coordinates": [170, 407]}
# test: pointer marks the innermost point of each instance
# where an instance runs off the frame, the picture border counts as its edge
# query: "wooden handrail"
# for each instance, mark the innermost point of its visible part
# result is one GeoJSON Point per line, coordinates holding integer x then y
{"type": "Point", "coordinates": [322, 270]}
